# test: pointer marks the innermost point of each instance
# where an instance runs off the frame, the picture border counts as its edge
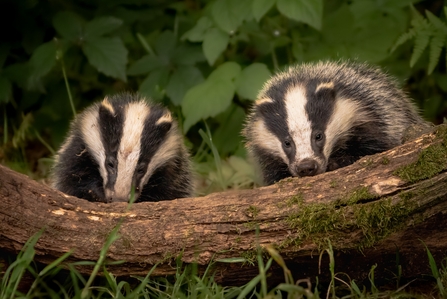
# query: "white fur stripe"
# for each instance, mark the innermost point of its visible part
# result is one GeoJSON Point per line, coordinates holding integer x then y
{"type": "Point", "coordinates": [92, 137]}
{"type": "Point", "coordinates": [346, 113]}
{"type": "Point", "coordinates": [298, 122]}
{"type": "Point", "coordinates": [129, 151]}
{"type": "Point", "coordinates": [267, 140]}
{"type": "Point", "coordinates": [167, 151]}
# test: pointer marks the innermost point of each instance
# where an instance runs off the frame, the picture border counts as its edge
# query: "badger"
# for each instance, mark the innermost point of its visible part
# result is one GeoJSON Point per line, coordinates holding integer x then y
{"type": "Point", "coordinates": [120, 144]}
{"type": "Point", "coordinates": [317, 117]}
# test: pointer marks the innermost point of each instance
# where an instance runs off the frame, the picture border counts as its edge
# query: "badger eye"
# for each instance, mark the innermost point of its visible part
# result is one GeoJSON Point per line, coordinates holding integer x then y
{"type": "Point", "coordinates": [319, 137]}
{"type": "Point", "coordinates": [287, 143]}
{"type": "Point", "coordinates": [141, 169]}
{"type": "Point", "coordinates": [110, 165]}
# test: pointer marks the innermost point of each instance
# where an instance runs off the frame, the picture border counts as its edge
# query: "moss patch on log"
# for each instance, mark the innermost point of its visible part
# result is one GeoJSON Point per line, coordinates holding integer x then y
{"type": "Point", "coordinates": [430, 162]}
{"type": "Point", "coordinates": [369, 221]}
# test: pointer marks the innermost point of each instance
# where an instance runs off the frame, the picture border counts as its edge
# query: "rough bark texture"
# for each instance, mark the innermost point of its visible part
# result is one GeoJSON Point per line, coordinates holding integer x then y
{"type": "Point", "coordinates": [369, 213]}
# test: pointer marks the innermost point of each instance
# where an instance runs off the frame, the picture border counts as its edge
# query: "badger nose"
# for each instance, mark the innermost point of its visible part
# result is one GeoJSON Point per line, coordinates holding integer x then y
{"type": "Point", "coordinates": [307, 167]}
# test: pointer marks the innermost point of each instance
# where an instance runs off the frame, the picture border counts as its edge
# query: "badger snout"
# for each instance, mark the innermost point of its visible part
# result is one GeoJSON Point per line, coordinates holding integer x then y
{"type": "Point", "coordinates": [112, 196]}
{"type": "Point", "coordinates": [306, 167]}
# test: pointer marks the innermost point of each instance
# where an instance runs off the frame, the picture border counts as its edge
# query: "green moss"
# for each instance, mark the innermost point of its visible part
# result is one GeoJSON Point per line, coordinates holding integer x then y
{"type": "Point", "coordinates": [407, 195]}
{"type": "Point", "coordinates": [333, 184]}
{"type": "Point", "coordinates": [431, 161]}
{"type": "Point", "coordinates": [252, 211]}
{"type": "Point", "coordinates": [295, 200]}
{"type": "Point", "coordinates": [319, 221]}
{"type": "Point", "coordinates": [378, 219]}
{"type": "Point", "coordinates": [385, 161]}
{"type": "Point", "coordinates": [361, 193]}
{"type": "Point", "coordinates": [250, 257]}
{"type": "Point", "coordinates": [367, 163]}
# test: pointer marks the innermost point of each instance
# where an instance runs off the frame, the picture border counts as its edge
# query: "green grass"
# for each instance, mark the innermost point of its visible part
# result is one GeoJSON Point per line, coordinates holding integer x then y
{"type": "Point", "coordinates": [189, 283]}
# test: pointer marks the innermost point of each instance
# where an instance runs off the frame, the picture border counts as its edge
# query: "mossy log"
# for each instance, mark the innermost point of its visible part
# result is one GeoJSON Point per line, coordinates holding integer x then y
{"type": "Point", "coordinates": [382, 209]}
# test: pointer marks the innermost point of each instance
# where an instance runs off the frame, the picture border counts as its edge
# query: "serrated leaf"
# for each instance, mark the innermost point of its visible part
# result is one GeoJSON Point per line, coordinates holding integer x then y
{"type": "Point", "coordinates": [206, 100]}
{"type": "Point", "coordinates": [214, 43]}
{"type": "Point", "coordinates": [229, 70]}
{"type": "Point", "coordinates": [261, 7]}
{"type": "Point", "coordinates": [5, 90]}
{"type": "Point", "coordinates": [251, 80]}
{"type": "Point", "coordinates": [43, 60]}
{"type": "Point", "coordinates": [197, 33]}
{"type": "Point", "coordinates": [100, 26]}
{"type": "Point", "coordinates": [436, 44]}
{"type": "Point", "coordinates": [182, 80]}
{"type": "Point", "coordinates": [108, 55]}
{"type": "Point", "coordinates": [146, 64]}
{"type": "Point", "coordinates": [154, 84]}
{"type": "Point", "coordinates": [69, 25]}
{"type": "Point", "coordinates": [420, 43]}
{"type": "Point", "coordinates": [436, 22]}
{"type": "Point", "coordinates": [306, 11]}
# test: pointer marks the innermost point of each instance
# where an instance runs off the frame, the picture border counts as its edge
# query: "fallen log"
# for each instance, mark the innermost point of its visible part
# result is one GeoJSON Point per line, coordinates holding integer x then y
{"type": "Point", "coordinates": [383, 206]}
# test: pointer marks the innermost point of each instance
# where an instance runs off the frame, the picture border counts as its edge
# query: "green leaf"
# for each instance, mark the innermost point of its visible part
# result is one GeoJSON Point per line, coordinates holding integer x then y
{"type": "Point", "coordinates": [306, 11]}
{"type": "Point", "coordinates": [100, 26]}
{"type": "Point", "coordinates": [108, 55]}
{"type": "Point", "coordinates": [261, 7]}
{"type": "Point", "coordinates": [251, 80]}
{"type": "Point", "coordinates": [227, 137]}
{"type": "Point", "coordinates": [206, 100]}
{"type": "Point", "coordinates": [42, 60]}
{"type": "Point", "coordinates": [197, 33]}
{"type": "Point", "coordinates": [5, 90]}
{"type": "Point", "coordinates": [436, 44]}
{"type": "Point", "coordinates": [146, 64]}
{"type": "Point", "coordinates": [165, 43]}
{"type": "Point", "coordinates": [154, 84]}
{"type": "Point", "coordinates": [182, 80]}
{"type": "Point", "coordinates": [69, 25]}
{"type": "Point", "coordinates": [420, 43]}
{"type": "Point", "coordinates": [214, 43]}
{"type": "Point", "coordinates": [229, 14]}
{"type": "Point", "coordinates": [226, 71]}
{"type": "Point", "coordinates": [187, 55]}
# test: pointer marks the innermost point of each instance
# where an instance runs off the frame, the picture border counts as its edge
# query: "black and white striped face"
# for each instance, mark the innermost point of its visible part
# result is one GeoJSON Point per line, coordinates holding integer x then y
{"type": "Point", "coordinates": [129, 140]}
{"type": "Point", "coordinates": [301, 122]}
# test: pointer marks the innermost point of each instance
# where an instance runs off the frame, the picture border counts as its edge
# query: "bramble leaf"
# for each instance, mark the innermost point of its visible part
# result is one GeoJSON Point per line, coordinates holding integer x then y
{"type": "Point", "coordinates": [182, 80]}
{"type": "Point", "coordinates": [251, 80]}
{"type": "Point", "coordinates": [101, 25]}
{"type": "Point", "coordinates": [214, 43]}
{"type": "Point", "coordinates": [108, 55]}
{"type": "Point", "coordinates": [197, 33]}
{"type": "Point", "coordinates": [306, 11]}
{"type": "Point", "coordinates": [261, 7]}
{"type": "Point", "coordinates": [69, 25]}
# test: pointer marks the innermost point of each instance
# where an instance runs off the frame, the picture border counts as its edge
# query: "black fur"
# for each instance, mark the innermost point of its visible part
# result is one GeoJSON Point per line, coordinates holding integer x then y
{"type": "Point", "coordinates": [77, 171]}
{"type": "Point", "coordinates": [389, 112]}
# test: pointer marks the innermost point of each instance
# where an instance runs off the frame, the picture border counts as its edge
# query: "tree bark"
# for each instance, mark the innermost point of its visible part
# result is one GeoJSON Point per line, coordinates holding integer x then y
{"type": "Point", "coordinates": [370, 211]}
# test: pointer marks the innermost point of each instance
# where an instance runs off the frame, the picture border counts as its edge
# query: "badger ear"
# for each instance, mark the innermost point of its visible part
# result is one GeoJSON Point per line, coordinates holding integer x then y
{"type": "Point", "coordinates": [164, 123]}
{"type": "Point", "coordinates": [327, 90]}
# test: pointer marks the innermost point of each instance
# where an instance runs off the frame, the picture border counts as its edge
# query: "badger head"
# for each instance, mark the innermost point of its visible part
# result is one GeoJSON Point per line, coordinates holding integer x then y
{"type": "Point", "coordinates": [298, 125]}
{"type": "Point", "coordinates": [128, 140]}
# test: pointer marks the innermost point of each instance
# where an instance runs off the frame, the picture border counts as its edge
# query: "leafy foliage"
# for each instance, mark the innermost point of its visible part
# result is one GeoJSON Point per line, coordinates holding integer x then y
{"type": "Point", "coordinates": [204, 59]}
{"type": "Point", "coordinates": [430, 32]}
